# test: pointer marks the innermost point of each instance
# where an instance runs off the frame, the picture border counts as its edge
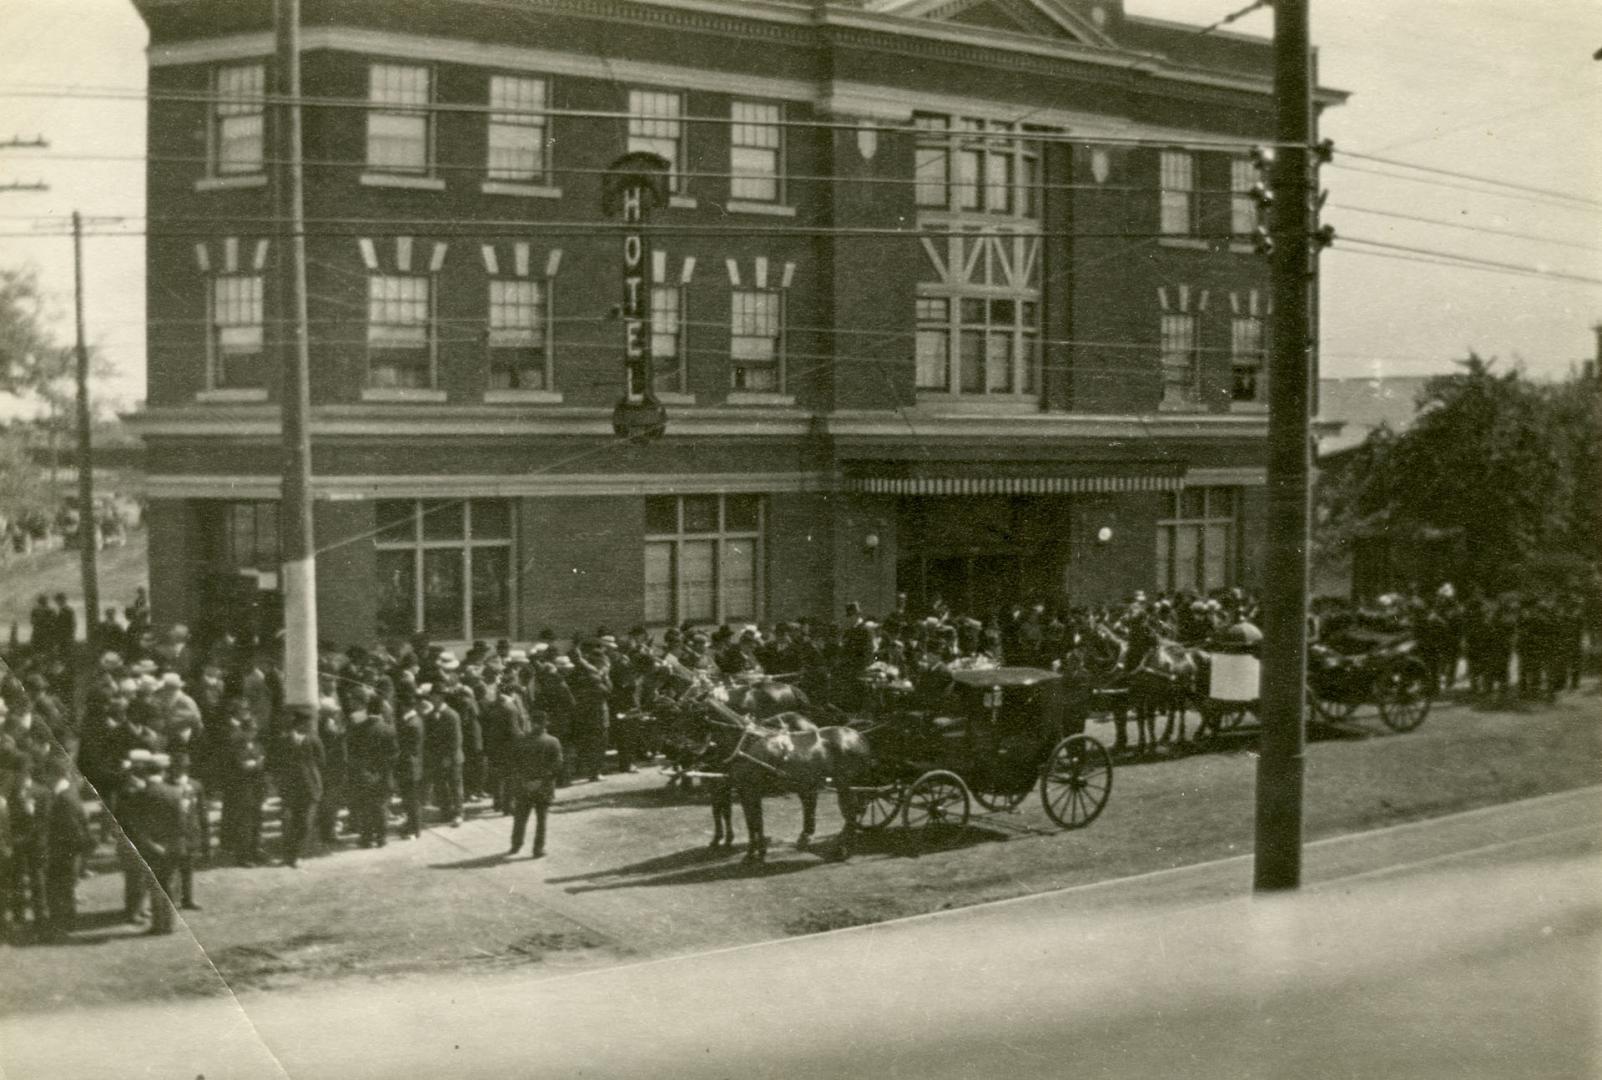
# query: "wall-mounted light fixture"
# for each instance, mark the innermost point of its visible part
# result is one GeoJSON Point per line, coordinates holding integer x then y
{"type": "Point", "coordinates": [870, 543]}
{"type": "Point", "coordinates": [1104, 534]}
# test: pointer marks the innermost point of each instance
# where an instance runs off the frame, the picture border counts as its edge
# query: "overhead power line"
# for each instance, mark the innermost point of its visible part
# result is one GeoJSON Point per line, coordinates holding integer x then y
{"type": "Point", "coordinates": [1490, 181]}
{"type": "Point", "coordinates": [1489, 231]}
{"type": "Point", "coordinates": [1391, 174]}
{"type": "Point", "coordinates": [1472, 261]}
{"type": "Point", "coordinates": [952, 134]}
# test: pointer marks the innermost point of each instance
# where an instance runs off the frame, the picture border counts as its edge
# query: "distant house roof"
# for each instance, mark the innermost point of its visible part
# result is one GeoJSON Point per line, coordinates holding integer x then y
{"type": "Point", "coordinates": [1354, 407]}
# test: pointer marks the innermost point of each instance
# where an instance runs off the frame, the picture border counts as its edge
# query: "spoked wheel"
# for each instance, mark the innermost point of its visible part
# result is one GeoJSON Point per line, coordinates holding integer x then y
{"type": "Point", "coordinates": [1331, 712]}
{"type": "Point", "coordinates": [936, 798]}
{"type": "Point", "coordinates": [878, 806]}
{"type": "Point", "coordinates": [1076, 781]}
{"type": "Point", "coordinates": [1403, 693]}
{"type": "Point", "coordinates": [997, 801]}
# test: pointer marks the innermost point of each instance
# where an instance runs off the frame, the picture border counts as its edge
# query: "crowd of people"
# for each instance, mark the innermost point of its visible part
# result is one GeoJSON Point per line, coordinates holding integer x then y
{"type": "Point", "coordinates": [409, 732]}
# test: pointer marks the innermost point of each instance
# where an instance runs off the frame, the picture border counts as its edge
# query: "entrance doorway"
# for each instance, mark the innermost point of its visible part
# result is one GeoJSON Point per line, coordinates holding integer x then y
{"type": "Point", "coordinates": [977, 585]}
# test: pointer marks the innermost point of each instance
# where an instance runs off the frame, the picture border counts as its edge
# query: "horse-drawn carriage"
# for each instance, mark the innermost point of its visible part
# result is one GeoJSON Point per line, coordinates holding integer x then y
{"type": "Point", "coordinates": [991, 736]}
{"type": "Point", "coordinates": [1361, 665]}
{"type": "Point", "coordinates": [1355, 667]}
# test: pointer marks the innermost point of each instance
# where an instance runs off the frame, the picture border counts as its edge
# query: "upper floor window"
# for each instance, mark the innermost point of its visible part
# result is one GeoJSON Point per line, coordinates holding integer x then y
{"type": "Point", "coordinates": [237, 132]}
{"type": "Point", "coordinates": [978, 311]}
{"type": "Point", "coordinates": [1246, 358]}
{"type": "Point", "coordinates": [995, 342]}
{"type": "Point", "coordinates": [235, 339]}
{"type": "Point", "coordinates": [517, 132]}
{"type": "Point", "coordinates": [1178, 193]}
{"type": "Point", "coordinates": [400, 337]}
{"type": "Point", "coordinates": [985, 166]}
{"type": "Point", "coordinates": [519, 335]}
{"type": "Point", "coordinates": [1242, 204]}
{"type": "Point", "coordinates": [756, 152]}
{"type": "Point", "coordinates": [1181, 370]}
{"type": "Point", "coordinates": [667, 337]}
{"type": "Point", "coordinates": [398, 120]}
{"type": "Point", "coordinates": [932, 161]}
{"type": "Point", "coordinates": [655, 127]}
{"type": "Point", "coordinates": [756, 341]}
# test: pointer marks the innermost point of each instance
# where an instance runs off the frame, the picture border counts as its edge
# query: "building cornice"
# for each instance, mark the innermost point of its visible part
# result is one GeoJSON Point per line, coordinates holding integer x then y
{"type": "Point", "coordinates": [525, 485]}
{"type": "Point", "coordinates": [1039, 427]}
{"type": "Point", "coordinates": [746, 20]}
{"type": "Point", "coordinates": [256, 423]}
{"type": "Point", "coordinates": [408, 421]}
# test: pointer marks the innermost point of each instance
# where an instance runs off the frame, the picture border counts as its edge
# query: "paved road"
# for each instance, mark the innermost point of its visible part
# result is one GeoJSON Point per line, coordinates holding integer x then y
{"type": "Point", "coordinates": [1464, 946]}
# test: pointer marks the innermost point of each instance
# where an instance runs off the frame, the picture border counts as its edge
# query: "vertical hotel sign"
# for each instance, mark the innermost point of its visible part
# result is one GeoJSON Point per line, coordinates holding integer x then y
{"type": "Point", "coordinates": [635, 184]}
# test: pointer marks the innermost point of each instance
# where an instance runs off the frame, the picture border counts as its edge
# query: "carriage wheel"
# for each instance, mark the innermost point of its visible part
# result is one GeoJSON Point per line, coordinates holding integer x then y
{"type": "Point", "coordinates": [1403, 693]}
{"type": "Point", "coordinates": [878, 806]}
{"type": "Point", "coordinates": [936, 798]}
{"type": "Point", "coordinates": [996, 801]}
{"type": "Point", "coordinates": [1076, 781]}
{"type": "Point", "coordinates": [1331, 712]}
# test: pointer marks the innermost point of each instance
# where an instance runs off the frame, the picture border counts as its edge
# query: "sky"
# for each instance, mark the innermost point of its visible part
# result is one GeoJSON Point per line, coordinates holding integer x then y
{"type": "Point", "coordinates": [1505, 89]}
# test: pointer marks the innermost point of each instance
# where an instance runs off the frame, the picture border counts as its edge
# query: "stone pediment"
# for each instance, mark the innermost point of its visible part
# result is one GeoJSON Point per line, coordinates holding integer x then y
{"type": "Point", "coordinates": [1049, 19]}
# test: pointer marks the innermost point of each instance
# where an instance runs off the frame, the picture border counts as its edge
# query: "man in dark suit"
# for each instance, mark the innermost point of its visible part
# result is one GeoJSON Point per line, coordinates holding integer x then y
{"type": "Point", "coordinates": [151, 814]}
{"type": "Point", "coordinates": [197, 828]}
{"type": "Point", "coordinates": [66, 628]}
{"type": "Point", "coordinates": [504, 721]}
{"type": "Point", "coordinates": [536, 767]}
{"type": "Point", "coordinates": [300, 784]}
{"type": "Point", "coordinates": [410, 743]}
{"type": "Point", "coordinates": [67, 841]}
{"type": "Point", "coordinates": [443, 728]}
{"type": "Point", "coordinates": [371, 748]}
{"type": "Point", "coordinates": [43, 622]}
{"type": "Point", "coordinates": [244, 786]}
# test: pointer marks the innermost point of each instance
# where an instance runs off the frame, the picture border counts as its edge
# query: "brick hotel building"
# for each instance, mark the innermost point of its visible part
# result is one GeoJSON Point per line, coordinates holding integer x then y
{"type": "Point", "coordinates": [952, 297]}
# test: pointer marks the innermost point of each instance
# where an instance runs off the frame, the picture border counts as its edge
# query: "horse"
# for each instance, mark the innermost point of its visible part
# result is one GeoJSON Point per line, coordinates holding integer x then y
{"type": "Point", "coordinates": [779, 755]}
{"type": "Point", "coordinates": [1165, 680]}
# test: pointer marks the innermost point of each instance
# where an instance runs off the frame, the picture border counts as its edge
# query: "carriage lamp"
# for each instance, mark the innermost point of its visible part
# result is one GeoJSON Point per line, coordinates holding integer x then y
{"type": "Point", "coordinates": [1104, 534]}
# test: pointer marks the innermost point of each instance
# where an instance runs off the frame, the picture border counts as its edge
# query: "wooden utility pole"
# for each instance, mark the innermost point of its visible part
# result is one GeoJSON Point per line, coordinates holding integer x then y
{"type": "Point", "coordinates": [1278, 863]}
{"type": "Point", "coordinates": [298, 578]}
{"type": "Point", "coordinates": [88, 548]}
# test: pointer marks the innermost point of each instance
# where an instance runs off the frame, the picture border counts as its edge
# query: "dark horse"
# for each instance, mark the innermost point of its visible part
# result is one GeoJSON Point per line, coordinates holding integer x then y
{"type": "Point", "coordinates": [778, 755]}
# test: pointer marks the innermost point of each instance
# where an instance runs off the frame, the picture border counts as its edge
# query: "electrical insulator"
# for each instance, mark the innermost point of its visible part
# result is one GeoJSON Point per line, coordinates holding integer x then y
{"type": "Point", "coordinates": [1324, 152]}
{"type": "Point", "coordinates": [1263, 158]}
{"type": "Point", "coordinates": [1324, 236]}
{"type": "Point", "coordinates": [1263, 197]}
{"type": "Point", "coordinates": [1262, 242]}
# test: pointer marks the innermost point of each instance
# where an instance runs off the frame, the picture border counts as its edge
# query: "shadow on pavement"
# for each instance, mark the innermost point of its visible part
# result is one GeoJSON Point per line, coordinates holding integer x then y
{"type": "Point", "coordinates": [478, 862]}
{"type": "Point", "coordinates": [695, 866]}
{"type": "Point", "coordinates": [567, 801]}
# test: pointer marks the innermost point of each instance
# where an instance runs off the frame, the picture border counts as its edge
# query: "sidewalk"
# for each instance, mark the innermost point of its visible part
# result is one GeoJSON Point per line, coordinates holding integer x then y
{"type": "Point", "coordinates": [1158, 971]}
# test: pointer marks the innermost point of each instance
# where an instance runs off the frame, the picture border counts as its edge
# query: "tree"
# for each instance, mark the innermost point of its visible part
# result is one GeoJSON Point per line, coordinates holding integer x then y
{"type": "Point", "coordinates": [32, 362]}
{"type": "Point", "coordinates": [1495, 470]}
{"type": "Point", "coordinates": [24, 496]}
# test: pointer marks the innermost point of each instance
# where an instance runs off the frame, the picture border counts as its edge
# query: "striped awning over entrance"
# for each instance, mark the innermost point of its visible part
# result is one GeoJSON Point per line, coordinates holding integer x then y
{"type": "Point", "coordinates": [1003, 484]}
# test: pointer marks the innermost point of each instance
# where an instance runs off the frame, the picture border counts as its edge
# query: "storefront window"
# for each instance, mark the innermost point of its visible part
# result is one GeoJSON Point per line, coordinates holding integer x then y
{"type": "Point", "coordinates": [1196, 539]}
{"type": "Point", "coordinates": [702, 558]}
{"type": "Point", "coordinates": [444, 567]}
